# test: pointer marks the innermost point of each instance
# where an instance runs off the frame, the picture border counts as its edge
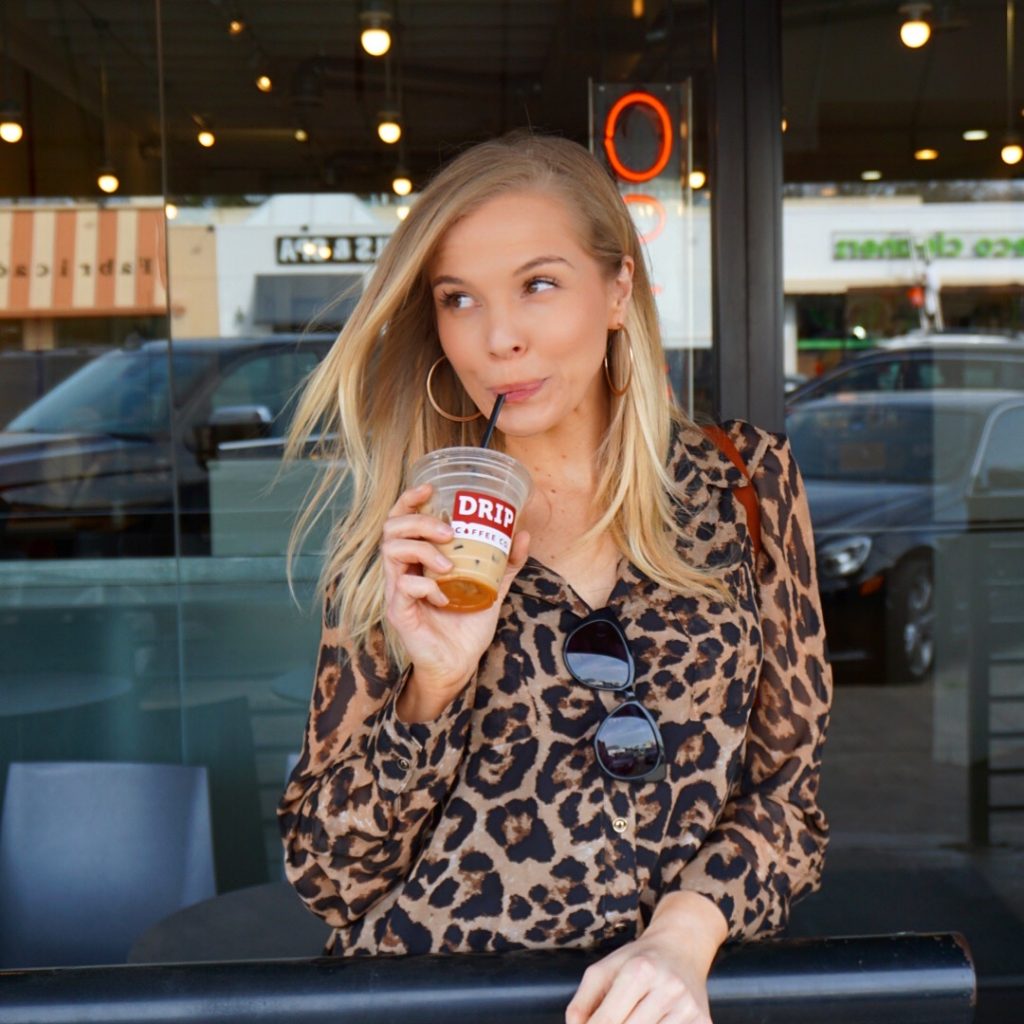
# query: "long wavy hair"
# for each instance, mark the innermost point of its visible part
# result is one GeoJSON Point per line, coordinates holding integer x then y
{"type": "Point", "coordinates": [367, 399]}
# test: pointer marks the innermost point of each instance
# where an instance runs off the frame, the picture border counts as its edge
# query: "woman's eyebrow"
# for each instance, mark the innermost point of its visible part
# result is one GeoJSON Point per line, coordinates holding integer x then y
{"type": "Point", "coordinates": [537, 261]}
{"type": "Point", "coordinates": [540, 261]}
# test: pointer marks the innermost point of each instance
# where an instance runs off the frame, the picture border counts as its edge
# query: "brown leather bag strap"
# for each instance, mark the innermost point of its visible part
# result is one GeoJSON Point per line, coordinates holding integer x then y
{"type": "Point", "coordinates": [746, 494]}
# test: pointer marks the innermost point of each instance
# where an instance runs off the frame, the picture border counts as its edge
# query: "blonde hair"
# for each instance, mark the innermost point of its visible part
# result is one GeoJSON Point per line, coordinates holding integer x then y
{"type": "Point", "coordinates": [369, 392]}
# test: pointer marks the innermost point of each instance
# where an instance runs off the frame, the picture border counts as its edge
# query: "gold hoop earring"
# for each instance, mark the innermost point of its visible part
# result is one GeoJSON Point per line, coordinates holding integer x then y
{"type": "Point", "coordinates": [619, 392]}
{"type": "Point", "coordinates": [433, 402]}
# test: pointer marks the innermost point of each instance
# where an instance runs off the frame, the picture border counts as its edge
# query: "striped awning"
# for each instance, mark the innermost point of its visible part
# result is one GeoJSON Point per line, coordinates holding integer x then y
{"type": "Point", "coordinates": [82, 262]}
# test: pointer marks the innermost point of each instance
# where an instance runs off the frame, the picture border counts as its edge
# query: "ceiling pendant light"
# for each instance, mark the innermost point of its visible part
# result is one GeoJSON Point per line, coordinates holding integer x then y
{"type": "Point", "coordinates": [698, 179]}
{"type": "Point", "coordinates": [375, 36]}
{"type": "Point", "coordinates": [915, 30]}
{"type": "Point", "coordinates": [11, 128]}
{"type": "Point", "coordinates": [301, 135]}
{"type": "Point", "coordinates": [401, 184]}
{"type": "Point", "coordinates": [389, 127]}
{"type": "Point", "coordinates": [236, 24]}
{"type": "Point", "coordinates": [926, 153]}
{"type": "Point", "coordinates": [1011, 153]}
{"type": "Point", "coordinates": [204, 133]}
{"type": "Point", "coordinates": [106, 179]}
{"type": "Point", "coordinates": [264, 83]}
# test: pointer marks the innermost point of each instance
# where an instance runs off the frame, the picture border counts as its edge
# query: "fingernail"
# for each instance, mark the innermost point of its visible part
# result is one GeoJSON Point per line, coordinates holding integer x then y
{"type": "Point", "coordinates": [443, 564]}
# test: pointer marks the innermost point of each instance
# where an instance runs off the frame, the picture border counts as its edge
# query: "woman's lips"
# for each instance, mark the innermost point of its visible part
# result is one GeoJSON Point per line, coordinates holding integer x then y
{"type": "Point", "coordinates": [520, 392]}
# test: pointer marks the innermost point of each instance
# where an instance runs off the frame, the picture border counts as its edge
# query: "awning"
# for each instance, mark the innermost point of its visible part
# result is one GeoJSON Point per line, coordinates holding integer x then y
{"type": "Point", "coordinates": [82, 262]}
{"type": "Point", "coordinates": [294, 300]}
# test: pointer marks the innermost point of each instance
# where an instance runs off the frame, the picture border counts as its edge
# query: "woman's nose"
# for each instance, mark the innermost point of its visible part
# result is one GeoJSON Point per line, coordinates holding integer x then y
{"type": "Point", "coordinates": [505, 337]}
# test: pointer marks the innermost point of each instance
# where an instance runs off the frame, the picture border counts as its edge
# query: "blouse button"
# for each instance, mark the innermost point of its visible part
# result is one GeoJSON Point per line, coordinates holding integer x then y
{"type": "Point", "coordinates": [403, 764]}
{"type": "Point", "coordinates": [620, 825]}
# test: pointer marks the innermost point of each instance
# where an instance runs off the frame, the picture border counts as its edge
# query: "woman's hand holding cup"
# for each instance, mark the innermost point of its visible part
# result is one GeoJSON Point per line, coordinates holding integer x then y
{"type": "Point", "coordinates": [444, 647]}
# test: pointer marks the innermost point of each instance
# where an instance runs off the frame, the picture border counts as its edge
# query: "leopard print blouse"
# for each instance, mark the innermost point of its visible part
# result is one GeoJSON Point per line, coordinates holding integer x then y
{"type": "Point", "coordinates": [493, 828]}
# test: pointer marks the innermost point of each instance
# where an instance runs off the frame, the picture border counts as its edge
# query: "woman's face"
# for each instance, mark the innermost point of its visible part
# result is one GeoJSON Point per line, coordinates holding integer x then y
{"type": "Point", "coordinates": [523, 310]}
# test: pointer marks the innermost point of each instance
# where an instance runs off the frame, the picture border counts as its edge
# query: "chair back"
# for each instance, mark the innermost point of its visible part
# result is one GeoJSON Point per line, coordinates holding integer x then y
{"type": "Point", "coordinates": [93, 853]}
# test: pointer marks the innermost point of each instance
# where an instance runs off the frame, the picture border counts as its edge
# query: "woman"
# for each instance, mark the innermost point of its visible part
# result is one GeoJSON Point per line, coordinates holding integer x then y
{"type": "Point", "coordinates": [450, 796]}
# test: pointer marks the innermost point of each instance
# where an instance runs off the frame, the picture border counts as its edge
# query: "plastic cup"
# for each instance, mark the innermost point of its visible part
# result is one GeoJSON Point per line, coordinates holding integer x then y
{"type": "Point", "coordinates": [479, 493]}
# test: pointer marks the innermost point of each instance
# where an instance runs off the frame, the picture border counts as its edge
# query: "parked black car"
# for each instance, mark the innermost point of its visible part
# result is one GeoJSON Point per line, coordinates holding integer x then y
{"type": "Point", "coordinates": [926, 362]}
{"type": "Point", "coordinates": [100, 465]}
{"type": "Point", "coordinates": [890, 477]}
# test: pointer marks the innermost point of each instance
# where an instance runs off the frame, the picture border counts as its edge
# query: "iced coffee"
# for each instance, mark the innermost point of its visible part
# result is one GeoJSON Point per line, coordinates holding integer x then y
{"type": "Point", "coordinates": [480, 493]}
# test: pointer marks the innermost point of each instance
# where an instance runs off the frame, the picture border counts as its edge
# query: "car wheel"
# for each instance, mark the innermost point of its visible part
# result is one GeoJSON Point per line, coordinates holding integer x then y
{"type": "Point", "coordinates": [910, 622]}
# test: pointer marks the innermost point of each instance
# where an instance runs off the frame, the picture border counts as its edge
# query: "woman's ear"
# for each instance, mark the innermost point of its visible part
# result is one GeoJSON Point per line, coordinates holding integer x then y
{"type": "Point", "coordinates": [621, 291]}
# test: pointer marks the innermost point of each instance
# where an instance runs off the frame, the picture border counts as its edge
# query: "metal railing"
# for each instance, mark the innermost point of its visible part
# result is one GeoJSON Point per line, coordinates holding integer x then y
{"type": "Point", "coordinates": [909, 979]}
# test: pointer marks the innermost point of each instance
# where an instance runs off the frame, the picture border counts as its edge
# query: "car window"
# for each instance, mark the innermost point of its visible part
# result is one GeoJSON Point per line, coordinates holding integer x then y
{"type": "Point", "coordinates": [892, 444]}
{"type": "Point", "coordinates": [268, 379]}
{"type": "Point", "coordinates": [879, 375]}
{"type": "Point", "coordinates": [982, 373]}
{"type": "Point", "coordinates": [1002, 462]}
{"type": "Point", "coordinates": [123, 392]}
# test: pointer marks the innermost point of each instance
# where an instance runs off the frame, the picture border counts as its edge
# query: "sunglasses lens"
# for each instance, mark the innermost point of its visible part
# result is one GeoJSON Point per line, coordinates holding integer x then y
{"type": "Point", "coordinates": [596, 655]}
{"type": "Point", "coordinates": [627, 745]}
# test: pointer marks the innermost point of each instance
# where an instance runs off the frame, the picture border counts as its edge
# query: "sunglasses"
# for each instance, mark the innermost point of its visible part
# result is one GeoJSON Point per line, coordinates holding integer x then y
{"type": "Point", "coordinates": [628, 743]}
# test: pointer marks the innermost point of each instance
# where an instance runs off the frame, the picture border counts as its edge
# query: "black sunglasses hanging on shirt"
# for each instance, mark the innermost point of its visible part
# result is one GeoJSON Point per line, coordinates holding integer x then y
{"type": "Point", "coordinates": [628, 743]}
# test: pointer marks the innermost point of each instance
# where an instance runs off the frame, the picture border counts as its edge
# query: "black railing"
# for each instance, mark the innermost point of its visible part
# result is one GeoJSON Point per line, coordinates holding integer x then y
{"type": "Point", "coordinates": [909, 979]}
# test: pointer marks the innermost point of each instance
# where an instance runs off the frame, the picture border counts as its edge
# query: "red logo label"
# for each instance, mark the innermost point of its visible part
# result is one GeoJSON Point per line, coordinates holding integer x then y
{"type": "Point", "coordinates": [484, 510]}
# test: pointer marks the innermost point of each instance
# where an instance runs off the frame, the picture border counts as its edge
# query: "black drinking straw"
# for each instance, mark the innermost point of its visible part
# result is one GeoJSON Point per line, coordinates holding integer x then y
{"type": "Point", "coordinates": [494, 419]}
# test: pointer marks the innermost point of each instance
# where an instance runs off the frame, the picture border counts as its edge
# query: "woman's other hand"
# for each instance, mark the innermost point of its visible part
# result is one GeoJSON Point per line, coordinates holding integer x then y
{"type": "Point", "coordinates": [660, 978]}
{"type": "Point", "coordinates": [444, 647]}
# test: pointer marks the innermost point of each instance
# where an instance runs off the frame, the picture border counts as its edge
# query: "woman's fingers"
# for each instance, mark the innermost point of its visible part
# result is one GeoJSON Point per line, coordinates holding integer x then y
{"type": "Point", "coordinates": [410, 500]}
{"type": "Point", "coordinates": [633, 980]}
{"type": "Point", "coordinates": [416, 552]}
{"type": "Point", "coordinates": [421, 588]}
{"type": "Point", "coordinates": [594, 984]}
{"type": "Point", "coordinates": [417, 525]}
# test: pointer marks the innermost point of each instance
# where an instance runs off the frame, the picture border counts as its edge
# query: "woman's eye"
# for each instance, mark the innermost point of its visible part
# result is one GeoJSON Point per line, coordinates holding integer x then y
{"type": "Point", "coordinates": [455, 300]}
{"type": "Point", "coordinates": [539, 284]}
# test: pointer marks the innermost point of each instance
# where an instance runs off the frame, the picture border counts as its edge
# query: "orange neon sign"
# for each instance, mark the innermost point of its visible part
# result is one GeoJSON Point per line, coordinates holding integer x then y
{"type": "Point", "coordinates": [639, 197]}
{"type": "Point", "coordinates": [631, 99]}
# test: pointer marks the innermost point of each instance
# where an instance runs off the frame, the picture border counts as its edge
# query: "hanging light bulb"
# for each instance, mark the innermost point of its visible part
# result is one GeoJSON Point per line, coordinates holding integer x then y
{"type": "Point", "coordinates": [107, 180]}
{"type": "Point", "coordinates": [975, 135]}
{"type": "Point", "coordinates": [926, 153]}
{"type": "Point", "coordinates": [375, 37]}
{"type": "Point", "coordinates": [401, 212]}
{"type": "Point", "coordinates": [915, 30]}
{"type": "Point", "coordinates": [236, 26]}
{"type": "Point", "coordinates": [871, 175]}
{"type": "Point", "coordinates": [264, 83]}
{"type": "Point", "coordinates": [1011, 153]}
{"type": "Point", "coordinates": [11, 129]}
{"type": "Point", "coordinates": [389, 127]}
{"type": "Point", "coordinates": [170, 210]}
{"type": "Point", "coordinates": [301, 135]}
{"type": "Point", "coordinates": [206, 138]}
{"type": "Point", "coordinates": [698, 179]}
{"type": "Point", "coordinates": [401, 184]}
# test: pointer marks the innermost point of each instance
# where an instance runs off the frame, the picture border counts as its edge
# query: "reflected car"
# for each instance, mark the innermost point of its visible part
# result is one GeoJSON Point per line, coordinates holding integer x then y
{"type": "Point", "coordinates": [108, 462]}
{"type": "Point", "coordinates": [923, 363]}
{"type": "Point", "coordinates": [891, 478]}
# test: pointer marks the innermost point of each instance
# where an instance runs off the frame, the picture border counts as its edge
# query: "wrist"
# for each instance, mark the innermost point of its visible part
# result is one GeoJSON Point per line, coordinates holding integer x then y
{"type": "Point", "coordinates": [423, 699]}
{"type": "Point", "coordinates": [694, 925]}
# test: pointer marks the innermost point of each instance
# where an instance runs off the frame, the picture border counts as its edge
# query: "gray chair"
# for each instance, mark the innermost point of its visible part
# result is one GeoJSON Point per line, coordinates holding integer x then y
{"type": "Point", "coordinates": [93, 853]}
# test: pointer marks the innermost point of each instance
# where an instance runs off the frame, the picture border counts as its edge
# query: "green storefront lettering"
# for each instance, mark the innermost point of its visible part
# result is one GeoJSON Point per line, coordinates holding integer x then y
{"type": "Point", "coordinates": [937, 246]}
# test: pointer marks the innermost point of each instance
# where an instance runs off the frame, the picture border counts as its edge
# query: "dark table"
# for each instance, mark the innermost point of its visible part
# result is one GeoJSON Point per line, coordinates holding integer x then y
{"type": "Point", "coordinates": [263, 922]}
